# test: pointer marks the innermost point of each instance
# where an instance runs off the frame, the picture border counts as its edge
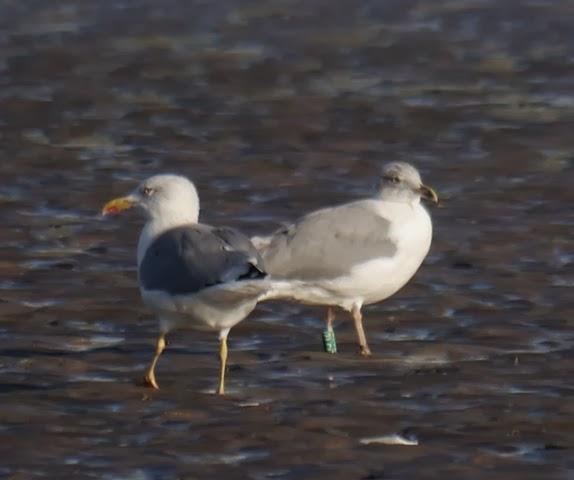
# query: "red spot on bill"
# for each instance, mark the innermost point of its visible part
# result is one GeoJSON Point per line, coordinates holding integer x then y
{"type": "Point", "coordinates": [111, 211]}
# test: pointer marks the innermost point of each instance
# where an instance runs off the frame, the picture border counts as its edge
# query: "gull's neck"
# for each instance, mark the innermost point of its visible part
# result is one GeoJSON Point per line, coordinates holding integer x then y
{"type": "Point", "coordinates": [401, 195]}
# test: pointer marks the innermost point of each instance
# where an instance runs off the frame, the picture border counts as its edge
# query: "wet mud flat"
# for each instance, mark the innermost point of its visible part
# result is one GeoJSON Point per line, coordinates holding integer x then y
{"type": "Point", "coordinates": [274, 109]}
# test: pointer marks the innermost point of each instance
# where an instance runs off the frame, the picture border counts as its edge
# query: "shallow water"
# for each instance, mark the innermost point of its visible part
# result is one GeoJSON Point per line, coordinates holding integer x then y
{"type": "Point", "coordinates": [276, 108]}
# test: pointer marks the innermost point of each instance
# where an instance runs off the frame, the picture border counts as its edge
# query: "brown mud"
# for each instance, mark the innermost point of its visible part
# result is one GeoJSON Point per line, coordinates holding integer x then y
{"type": "Point", "coordinates": [276, 108]}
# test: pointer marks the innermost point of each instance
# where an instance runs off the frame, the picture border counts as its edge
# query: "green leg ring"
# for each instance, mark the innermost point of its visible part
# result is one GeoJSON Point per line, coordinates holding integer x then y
{"type": "Point", "coordinates": [329, 341]}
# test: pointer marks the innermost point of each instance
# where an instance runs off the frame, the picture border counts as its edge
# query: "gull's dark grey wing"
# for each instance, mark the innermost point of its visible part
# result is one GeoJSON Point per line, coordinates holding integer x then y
{"type": "Point", "coordinates": [328, 243]}
{"type": "Point", "coordinates": [190, 258]}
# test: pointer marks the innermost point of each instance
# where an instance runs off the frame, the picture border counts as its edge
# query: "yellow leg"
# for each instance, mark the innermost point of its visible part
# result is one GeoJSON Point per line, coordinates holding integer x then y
{"type": "Point", "coordinates": [358, 319]}
{"type": "Point", "coordinates": [150, 374]}
{"type": "Point", "coordinates": [222, 361]}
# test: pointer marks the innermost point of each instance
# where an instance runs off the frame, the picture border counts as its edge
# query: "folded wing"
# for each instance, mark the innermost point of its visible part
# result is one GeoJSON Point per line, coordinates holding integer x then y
{"type": "Point", "coordinates": [187, 259]}
{"type": "Point", "coordinates": [328, 243]}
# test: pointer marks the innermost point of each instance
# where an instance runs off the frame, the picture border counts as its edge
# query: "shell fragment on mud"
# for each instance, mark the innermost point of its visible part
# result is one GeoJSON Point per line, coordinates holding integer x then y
{"type": "Point", "coordinates": [392, 439]}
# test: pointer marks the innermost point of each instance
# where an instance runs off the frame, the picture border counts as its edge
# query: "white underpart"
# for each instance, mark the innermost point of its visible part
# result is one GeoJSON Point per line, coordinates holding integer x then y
{"type": "Point", "coordinates": [379, 278]}
{"type": "Point", "coordinates": [213, 309]}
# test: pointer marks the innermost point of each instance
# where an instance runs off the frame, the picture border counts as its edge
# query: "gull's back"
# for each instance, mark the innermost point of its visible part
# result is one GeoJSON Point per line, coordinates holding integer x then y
{"type": "Point", "coordinates": [189, 258]}
{"type": "Point", "coordinates": [329, 243]}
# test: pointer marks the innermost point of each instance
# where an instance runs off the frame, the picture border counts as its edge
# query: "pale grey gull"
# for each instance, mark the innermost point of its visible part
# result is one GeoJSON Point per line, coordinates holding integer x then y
{"type": "Point", "coordinates": [358, 253]}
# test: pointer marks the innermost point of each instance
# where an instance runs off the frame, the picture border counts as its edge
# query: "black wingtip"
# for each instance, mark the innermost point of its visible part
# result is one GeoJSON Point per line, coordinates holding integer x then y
{"type": "Point", "coordinates": [253, 273]}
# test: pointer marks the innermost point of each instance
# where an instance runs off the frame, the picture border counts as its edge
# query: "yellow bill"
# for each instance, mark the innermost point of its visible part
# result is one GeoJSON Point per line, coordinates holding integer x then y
{"type": "Point", "coordinates": [117, 205]}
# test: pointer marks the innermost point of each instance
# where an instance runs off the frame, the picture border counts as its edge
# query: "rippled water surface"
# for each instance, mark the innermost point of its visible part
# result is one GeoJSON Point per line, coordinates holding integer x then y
{"type": "Point", "coordinates": [275, 108]}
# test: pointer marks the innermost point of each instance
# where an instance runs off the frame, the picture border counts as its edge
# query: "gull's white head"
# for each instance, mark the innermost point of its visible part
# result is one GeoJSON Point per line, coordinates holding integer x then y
{"type": "Point", "coordinates": [401, 182]}
{"type": "Point", "coordinates": [161, 197]}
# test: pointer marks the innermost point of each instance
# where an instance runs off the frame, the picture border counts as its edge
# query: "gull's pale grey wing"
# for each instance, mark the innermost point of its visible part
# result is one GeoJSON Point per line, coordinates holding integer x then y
{"type": "Point", "coordinates": [328, 243]}
{"type": "Point", "coordinates": [190, 258]}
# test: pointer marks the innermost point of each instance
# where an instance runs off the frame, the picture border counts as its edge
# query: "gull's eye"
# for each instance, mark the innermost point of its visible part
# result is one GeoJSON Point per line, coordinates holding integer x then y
{"type": "Point", "coordinates": [147, 191]}
{"type": "Point", "coordinates": [391, 179]}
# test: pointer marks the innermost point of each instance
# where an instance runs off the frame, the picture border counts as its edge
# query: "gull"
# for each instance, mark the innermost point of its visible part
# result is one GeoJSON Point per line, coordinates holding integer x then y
{"type": "Point", "coordinates": [358, 253]}
{"type": "Point", "coordinates": [191, 274]}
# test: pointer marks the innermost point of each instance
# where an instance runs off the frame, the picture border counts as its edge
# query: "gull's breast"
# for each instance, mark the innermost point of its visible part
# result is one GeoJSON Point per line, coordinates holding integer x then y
{"type": "Point", "coordinates": [411, 232]}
